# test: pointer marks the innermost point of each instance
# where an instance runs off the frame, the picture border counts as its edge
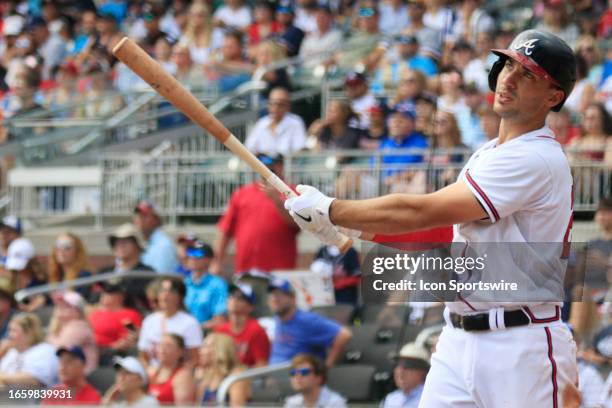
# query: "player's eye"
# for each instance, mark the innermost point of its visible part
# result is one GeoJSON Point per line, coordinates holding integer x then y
{"type": "Point", "coordinates": [528, 75]}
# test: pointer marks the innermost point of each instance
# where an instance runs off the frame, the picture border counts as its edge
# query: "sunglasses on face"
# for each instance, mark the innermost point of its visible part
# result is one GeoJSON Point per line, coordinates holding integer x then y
{"type": "Point", "coordinates": [64, 245]}
{"type": "Point", "coordinates": [302, 372]}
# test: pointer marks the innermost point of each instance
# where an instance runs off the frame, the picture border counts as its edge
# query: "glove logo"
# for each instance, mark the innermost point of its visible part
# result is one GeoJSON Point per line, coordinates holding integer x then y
{"type": "Point", "coordinates": [528, 45]}
{"type": "Point", "coordinates": [307, 219]}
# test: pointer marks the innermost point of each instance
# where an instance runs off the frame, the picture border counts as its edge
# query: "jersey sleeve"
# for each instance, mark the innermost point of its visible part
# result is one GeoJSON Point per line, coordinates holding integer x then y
{"type": "Point", "coordinates": [322, 331]}
{"type": "Point", "coordinates": [508, 181]}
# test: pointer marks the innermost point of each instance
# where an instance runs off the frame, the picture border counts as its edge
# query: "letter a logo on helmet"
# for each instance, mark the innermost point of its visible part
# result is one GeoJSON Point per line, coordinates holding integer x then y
{"type": "Point", "coordinates": [542, 53]}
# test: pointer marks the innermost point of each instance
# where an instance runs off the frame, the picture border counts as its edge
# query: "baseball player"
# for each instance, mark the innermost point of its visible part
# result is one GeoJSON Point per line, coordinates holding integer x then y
{"type": "Point", "coordinates": [516, 188]}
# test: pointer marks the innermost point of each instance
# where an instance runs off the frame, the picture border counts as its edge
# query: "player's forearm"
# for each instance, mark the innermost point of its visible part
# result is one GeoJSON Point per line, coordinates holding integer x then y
{"type": "Point", "coordinates": [391, 214]}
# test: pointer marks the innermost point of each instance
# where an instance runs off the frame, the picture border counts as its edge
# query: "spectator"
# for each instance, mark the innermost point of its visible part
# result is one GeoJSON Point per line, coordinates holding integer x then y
{"type": "Point", "coordinates": [162, 53]}
{"type": "Point", "coordinates": [489, 120]}
{"type": "Point", "coordinates": [206, 293]}
{"type": "Point", "coordinates": [230, 69]}
{"type": "Point", "coordinates": [298, 331]}
{"type": "Point", "coordinates": [393, 17]}
{"type": "Point", "coordinates": [218, 359]}
{"type": "Point", "coordinates": [66, 92]}
{"type": "Point", "coordinates": [361, 47]}
{"type": "Point", "coordinates": [439, 17]}
{"type": "Point", "coordinates": [305, 16]}
{"type": "Point", "coordinates": [199, 36]}
{"type": "Point", "coordinates": [264, 26]}
{"type": "Point", "coordinates": [308, 377]}
{"type": "Point", "coordinates": [69, 327]}
{"type": "Point", "coordinates": [184, 69]}
{"type": "Point", "coordinates": [344, 268]}
{"type": "Point", "coordinates": [126, 244]}
{"type": "Point", "coordinates": [108, 32]}
{"type": "Point", "coordinates": [151, 16]}
{"type": "Point", "coordinates": [7, 306]}
{"type": "Point", "coordinates": [73, 379]}
{"type": "Point", "coordinates": [69, 261]}
{"type": "Point", "coordinates": [24, 98]}
{"type": "Point", "coordinates": [169, 319]}
{"type": "Point", "coordinates": [172, 383]}
{"type": "Point", "coordinates": [590, 384]}
{"type": "Point", "coordinates": [233, 14]}
{"type": "Point", "coordinates": [430, 38]}
{"type": "Point", "coordinates": [595, 140]}
{"type": "Point", "coordinates": [409, 376]}
{"type": "Point", "coordinates": [477, 70]}
{"type": "Point", "coordinates": [410, 85]}
{"type": "Point", "coordinates": [462, 54]}
{"type": "Point", "coordinates": [378, 126]}
{"type": "Point", "coordinates": [50, 45]}
{"type": "Point", "coordinates": [11, 233]}
{"type": "Point", "coordinates": [289, 36]}
{"type": "Point", "coordinates": [250, 338]}
{"type": "Point", "coordinates": [446, 137]}
{"type": "Point", "coordinates": [451, 96]}
{"type": "Point", "coordinates": [159, 252]}
{"type": "Point", "coordinates": [356, 88]}
{"type": "Point", "coordinates": [260, 246]}
{"type": "Point", "coordinates": [183, 242]}
{"type": "Point", "coordinates": [557, 21]}
{"type": "Point", "coordinates": [269, 52]}
{"type": "Point", "coordinates": [583, 92]}
{"type": "Point", "coordinates": [587, 47]}
{"type": "Point", "coordinates": [99, 103]}
{"type": "Point", "coordinates": [324, 39]}
{"type": "Point", "coordinates": [27, 361]}
{"type": "Point", "coordinates": [425, 107]}
{"type": "Point", "coordinates": [471, 21]}
{"type": "Point", "coordinates": [26, 272]}
{"type": "Point", "coordinates": [279, 132]}
{"type": "Point", "coordinates": [334, 132]}
{"type": "Point", "coordinates": [469, 121]}
{"type": "Point", "coordinates": [85, 32]}
{"type": "Point", "coordinates": [130, 385]}
{"type": "Point", "coordinates": [115, 326]}
{"type": "Point", "coordinates": [561, 124]}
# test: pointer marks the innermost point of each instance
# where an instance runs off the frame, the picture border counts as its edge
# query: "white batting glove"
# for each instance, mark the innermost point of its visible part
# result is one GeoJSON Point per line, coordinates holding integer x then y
{"type": "Point", "coordinates": [310, 210]}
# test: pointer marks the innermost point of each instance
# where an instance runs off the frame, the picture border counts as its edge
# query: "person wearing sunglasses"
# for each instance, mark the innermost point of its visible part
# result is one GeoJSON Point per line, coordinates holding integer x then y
{"type": "Point", "coordinates": [411, 368]}
{"type": "Point", "coordinates": [308, 375]}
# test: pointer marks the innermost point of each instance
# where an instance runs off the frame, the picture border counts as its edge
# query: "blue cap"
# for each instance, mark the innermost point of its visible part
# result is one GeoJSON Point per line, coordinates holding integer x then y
{"type": "Point", "coordinates": [13, 222]}
{"type": "Point", "coordinates": [367, 12]}
{"type": "Point", "coordinates": [285, 7]}
{"type": "Point", "coordinates": [407, 39]}
{"type": "Point", "coordinates": [405, 108]}
{"type": "Point", "coordinates": [36, 22]}
{"type": "Point", "coordinates": [245, 290]}
{"type": "Point", "coordinates": [281, 284]}
{"type": "Point", "coordinates": [200, 249]}
{"type": "Point", "coordinates": [270, 159]}
{"type": "Point", "coordinates": [74, 350]}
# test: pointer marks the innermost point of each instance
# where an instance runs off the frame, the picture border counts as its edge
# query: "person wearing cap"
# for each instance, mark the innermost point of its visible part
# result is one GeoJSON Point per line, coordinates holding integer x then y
{"type": "Point", "coordinates": [393, 17]}
{"type": "Point", "coordinates": [429, 37]}
{"type": "Point", "coordinates": [556, 20]}
{"type": "Point", "coordinates": [26, 359]}
{"type": "Point", "coordinates": [170, 318]}
{"type": "Point", "coordinates": [69, 327]}
{"type": "Point", "coordinates": [159, 252]}
{"type": "Point", "coordinates": [127, 246]}
{"type": "Point", "coordinates": [206, 297]}
{"type": "Point", "coordinates": [251, 339]}
{"type": "Point", "coordinates": [264, 26]}
{"type": "Point", "coordinates": [305, 15]}
{"type": "Point", "coordinates": [71, 372]}
{"type": "Point", "coordinates": [356, 89]}
{"type": "Point", "coordinates": [152, 14]}
{"type": "Point", "coordinates": [7, 306]}
{"type": "Point", "coordinates": [115, 326]}
{"type": "Point", "coordinates": [308, 375]}
{"type": "Point", "coordinates": [289, 36]}
{"type": "Point", "coordinates": [265, 242]}
{"type": "Point", "coordinates": [324, 39]}
{"type": "Point", "coordinates": [49, 45]}
{"type": "Point", "coordinates": [130, 387]}
{"type": "Point", "coordinates": [298, 331]}
{"type": "Point", "coordinates": [279, 132]}
{"type": "Point", "coordinates": [11, 232]}
{"type": "Point", "coordinates": [411, 367]}
{"type": "Point", "coordinates": [233, 14]}
{"type": "Point", "coordinates": [183, 242]}
{"type": "Point", "coordinates": [472, 134]}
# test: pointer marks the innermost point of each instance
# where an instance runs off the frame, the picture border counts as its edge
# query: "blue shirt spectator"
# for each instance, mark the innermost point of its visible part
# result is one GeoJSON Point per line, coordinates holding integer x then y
{"type": "Point", "coordinates": [299, 331]}
{"type": "Point", "coordinates": [159, 253]}
{"type": "Point", "coordinates": [206, 297]}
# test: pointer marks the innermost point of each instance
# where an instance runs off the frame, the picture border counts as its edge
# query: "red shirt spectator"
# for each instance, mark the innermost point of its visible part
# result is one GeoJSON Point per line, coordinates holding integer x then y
{"type": "Point", "coordinates": [265, 234]}
{"type": "Point", "coordinates": [87, 395]}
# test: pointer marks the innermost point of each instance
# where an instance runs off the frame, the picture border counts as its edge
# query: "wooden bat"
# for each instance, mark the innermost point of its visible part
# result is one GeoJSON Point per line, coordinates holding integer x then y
{"type": "Point", "coordinates": [167, 86]}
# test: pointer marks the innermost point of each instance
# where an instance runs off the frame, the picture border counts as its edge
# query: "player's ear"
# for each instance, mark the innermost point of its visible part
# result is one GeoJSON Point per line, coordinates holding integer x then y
{"type": "Point", "coordinates": [555, 97]}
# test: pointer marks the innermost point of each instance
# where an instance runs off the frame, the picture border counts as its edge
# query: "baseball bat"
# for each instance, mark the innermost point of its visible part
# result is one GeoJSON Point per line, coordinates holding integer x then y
{"type": "Point", "coordinates": [132, 55]}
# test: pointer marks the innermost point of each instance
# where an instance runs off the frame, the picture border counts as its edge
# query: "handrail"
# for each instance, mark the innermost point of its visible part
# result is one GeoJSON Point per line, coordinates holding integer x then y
{"type": "Point", "coordinates": [251, 373]}
{"type": "Point", "coordinates": [51, 287]}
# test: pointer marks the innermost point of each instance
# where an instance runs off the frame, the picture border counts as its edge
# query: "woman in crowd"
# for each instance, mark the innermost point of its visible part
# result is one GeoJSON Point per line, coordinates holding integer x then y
{"type": "Point", "coordinates": [264, 25]}
{"type": "Point", "coordinates": [411, 85]}
{"type": "Point", "coordinates": [377, 129]}
{"type": "Point", "coordinates": [266, 53]}
{"type": "Point", "coordinates": [333, 131]}
{"type": "Point", "coordinates": [583, 92]}
{"type": "Point", "coordinates": [172, 382]}
{"type": "Point", "coordinates": [446, 137]}
{"type": "Point", "coordinates": [198, 36]}
{"type": "Point", "coordinates": [27, 273]}
{"type": "Point", "coordinates": [100, 104]}
{"type": "Point", "coordinates": [27, 361]}
{"type": "Point", "coordinates": [66, 91]}
{"type": "Point", "coordinates": [69, 327]}
{"type": "Point", "coordinates": [69, 261]}
{"type": "Point", "coordinates": [594, 144]}
{"type": "Point", "coordinates": [217, 360]}
{"type": "Point", "coordinates": [588, 49]}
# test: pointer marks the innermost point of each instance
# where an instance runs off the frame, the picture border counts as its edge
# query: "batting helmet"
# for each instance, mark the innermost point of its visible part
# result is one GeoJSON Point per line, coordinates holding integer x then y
{"type": "Point", "coordinates": [542, 53]}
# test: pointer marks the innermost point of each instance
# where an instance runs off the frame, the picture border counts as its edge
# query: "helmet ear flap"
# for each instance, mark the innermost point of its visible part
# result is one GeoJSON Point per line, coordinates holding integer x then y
{"type": "Point", "coordinates": [494, 73]}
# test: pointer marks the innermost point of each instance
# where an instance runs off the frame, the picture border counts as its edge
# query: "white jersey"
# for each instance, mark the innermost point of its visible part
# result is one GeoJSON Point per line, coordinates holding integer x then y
{"type": "Point", "coordinates": [525, 186]}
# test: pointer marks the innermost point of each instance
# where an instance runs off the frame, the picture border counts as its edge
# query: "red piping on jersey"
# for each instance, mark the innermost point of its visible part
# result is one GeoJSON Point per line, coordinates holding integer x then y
{"type": "Point", "coordinates": [544, 320]}
{"type": "Point", "coordinates": [466, 302]}
{"type": "Point", "coordinates": [546, 137]}
{"type": "Point", "coordinates": [554, 366]}
{"type": "Point", "coordinates": [483, 195]}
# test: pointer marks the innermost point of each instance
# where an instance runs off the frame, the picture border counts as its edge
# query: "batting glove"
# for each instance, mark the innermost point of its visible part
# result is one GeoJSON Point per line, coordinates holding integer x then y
{"type": "Point", "coordinates": [310, 210]}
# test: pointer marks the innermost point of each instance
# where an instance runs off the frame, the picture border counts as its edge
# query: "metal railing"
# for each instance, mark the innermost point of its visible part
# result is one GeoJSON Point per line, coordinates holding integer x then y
{"type": "Point", "coordinates": [253, 373]}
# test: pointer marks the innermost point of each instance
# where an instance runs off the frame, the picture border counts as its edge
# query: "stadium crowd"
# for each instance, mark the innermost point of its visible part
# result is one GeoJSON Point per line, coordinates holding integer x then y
{"type": "Point", "coordinates": [417, 79]}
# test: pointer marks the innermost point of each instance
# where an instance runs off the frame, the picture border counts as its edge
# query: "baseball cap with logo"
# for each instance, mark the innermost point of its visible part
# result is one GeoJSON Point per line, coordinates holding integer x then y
{"type": "Point", "coordinates": [132, 365]}
{"type": "Point", "coordinates": [354, 78]}
{"type": "Point", "coordinates": [407, 109]}
{"type": "Point", "coordinates": [127, 230]}
{"type": "Point", "coordinates": [19, 253]}
{"type": "Point", "coordinates": [411, 355]}
{"type": "Point", "coordinates": [200, 249]}
{"type": "Point", "coordinates": [281, 284]}
{"type": "Point", "coordinates": [13, 222]}
{"type": "Point", "coordinates": [245, 290]}
{"type": "Point", "coordinates": [74, 350]}
{"type": "Point", "coordinates": [146, 207]}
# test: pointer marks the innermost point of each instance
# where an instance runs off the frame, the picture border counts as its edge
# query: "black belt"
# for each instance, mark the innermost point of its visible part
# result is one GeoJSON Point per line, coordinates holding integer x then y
{"type": "Point", "coordinates": [480, 322]}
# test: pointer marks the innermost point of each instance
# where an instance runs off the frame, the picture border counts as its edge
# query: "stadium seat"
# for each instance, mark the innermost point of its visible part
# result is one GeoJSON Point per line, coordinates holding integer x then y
{"type": "Point", "coordinates": [102, 378]}
{"type": "Point", "coordinates": [353, 381]}
{"type": "Point", "coordinates": [371, 314]}
{"type": "Point", "coordinates": [342, 313]}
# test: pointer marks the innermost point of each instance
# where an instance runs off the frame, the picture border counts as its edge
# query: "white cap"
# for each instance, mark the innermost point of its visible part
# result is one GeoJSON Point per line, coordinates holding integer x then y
{"type": "Point", "coordinates": [73, 299]}
{"type": "Point", "coordinates": [132, 365]}
{"type": "Point", "coordinates": [19, 253]}
{"type": "Point", "coordinates": [13, 25]}
{"type": "Point", "coordinates": [413, 351]}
